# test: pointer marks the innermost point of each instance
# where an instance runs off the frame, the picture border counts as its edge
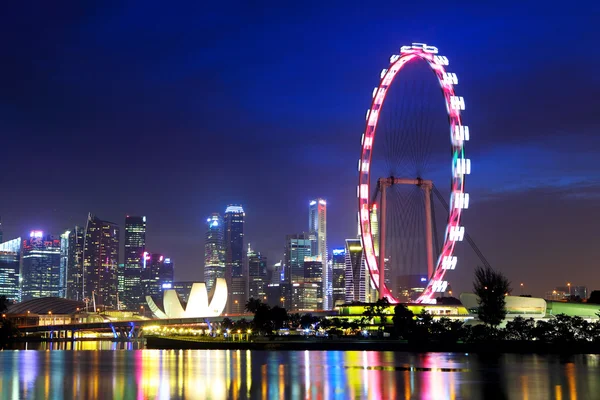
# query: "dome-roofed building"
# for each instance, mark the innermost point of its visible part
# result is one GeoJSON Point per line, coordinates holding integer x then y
{"type": "Point", "coordinates": [46, 305]}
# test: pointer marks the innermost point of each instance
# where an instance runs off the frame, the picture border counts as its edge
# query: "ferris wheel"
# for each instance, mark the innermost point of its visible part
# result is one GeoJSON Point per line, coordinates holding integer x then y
{"type": "Point", "coordinates": [373, 185]}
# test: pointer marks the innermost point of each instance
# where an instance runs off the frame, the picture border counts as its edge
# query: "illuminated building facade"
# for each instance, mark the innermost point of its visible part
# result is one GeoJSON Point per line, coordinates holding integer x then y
{"type": "Point", "coordinates": [338, 268]}
{"type": "Point", "coordinates": [257, 275]}
{"type": "Point", "coordinates": [75, 264]}
{"type": "Point", "coordinates": [306, 296]}
{"type": "Point", "coordinates": [214, 252]}
{"type": "Point", "coordinates": [131, 291]}
{"type": "Point", "coordinates": [317, 228]}
{"type": "Point", "coordinates": [355, 271]}
{"type": "Point", "coordinates": [100, 262]}
{"type": "Point", "coordinates": [157, 274]}
{"type": "Point", "coordinates": [64, 263]}
{"type": "Point", "coordinates": [40, 267]}
{"type": "Point", "coordinates": [10, 261]}
{"type": "Point", "coordinates": [297, 248]}
{"type": "Point", "coordinates": [236, 277]}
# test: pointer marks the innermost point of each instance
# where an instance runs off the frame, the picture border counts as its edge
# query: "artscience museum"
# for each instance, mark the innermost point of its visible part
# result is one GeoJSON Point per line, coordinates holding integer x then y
{"type": "Point", "coordinates": [200, 303]}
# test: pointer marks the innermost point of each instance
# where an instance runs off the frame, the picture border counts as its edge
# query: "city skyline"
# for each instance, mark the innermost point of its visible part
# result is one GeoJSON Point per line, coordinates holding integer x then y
{"type": "Point", "coordinates": [529, 166]}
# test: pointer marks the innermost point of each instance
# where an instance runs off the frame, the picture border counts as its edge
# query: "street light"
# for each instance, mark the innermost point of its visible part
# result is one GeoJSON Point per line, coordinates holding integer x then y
{"type": "Point", "coordinates": [521, 288]}
{"type": "Point", "coordinates": [569, 285]}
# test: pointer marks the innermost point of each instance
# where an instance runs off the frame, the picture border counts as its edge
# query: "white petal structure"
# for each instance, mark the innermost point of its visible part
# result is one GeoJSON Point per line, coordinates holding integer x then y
{"type": "Point", "coordinates": [198, 305]}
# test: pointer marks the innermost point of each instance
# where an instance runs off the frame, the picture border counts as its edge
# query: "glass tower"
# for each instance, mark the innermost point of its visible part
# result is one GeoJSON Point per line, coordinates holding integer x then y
{"type": "Point", "coordinates": [100, 262]}
{"type": "Point", "coordinates": [297, 248]}
{"type": "Point", "coordinates": [135, 246]}
{"type": "Point", "coordinates": [214, 253]}
{"type": "Point", "coordinates": [317, 228]}
{"type": "Point", "coordinates": [75, 264]}
{"type": "Point", "coordinates": [237, 279]}
{"type": "Point", "coordinates": [338, 266]}
{"type": "Point", "coordinates": [10, 260]}
{"type": "Point", "coordinates": [257, 275]}
{"type": "Point", "coordinates": [40, 267]}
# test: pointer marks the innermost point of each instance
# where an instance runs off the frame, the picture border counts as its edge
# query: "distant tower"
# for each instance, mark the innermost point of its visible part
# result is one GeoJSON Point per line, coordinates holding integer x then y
{"type": "Point", "coordinates": [317, 228]}
{"type": "Point", "coordinates": [214, 253]}
{"type": "Point", "coordinates": [236, 277]}
{"type": "Point", "coordinates": [297, 247]}
{"type": "Point", "coordinates": [135, 246]}
{"type": "Point", "coordinates": [100, 262]}
{"type": "Point", "coordinates": [355, 271]}
{"type": "Point", "coordinates": [40, 267]}
{"type": "Point", "coordinates": [257, 275]}
{"type": "Point", "coordinates": [338, 276]}
{"type": "Point", "coordinates": [75, 264]}
{"type": "Point", "coordinates": [157, 274]}
{"type": "Point", "coordinates": [10, 261]}
{"type": "Point", "coordinates": [0, 229]}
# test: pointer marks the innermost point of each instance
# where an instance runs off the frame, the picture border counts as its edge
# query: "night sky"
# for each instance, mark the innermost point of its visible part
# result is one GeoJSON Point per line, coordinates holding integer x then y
{"type": "Point", "coordinates": [175, 111]}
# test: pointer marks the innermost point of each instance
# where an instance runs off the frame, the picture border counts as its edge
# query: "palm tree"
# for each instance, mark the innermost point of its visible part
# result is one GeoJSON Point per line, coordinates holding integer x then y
{"type": "Point", "coordinates": [252, 305]}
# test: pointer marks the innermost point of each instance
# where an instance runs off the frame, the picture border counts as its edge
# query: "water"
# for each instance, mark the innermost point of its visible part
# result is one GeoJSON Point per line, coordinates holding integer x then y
{"type": "Point", "coordinates": [221, 374]}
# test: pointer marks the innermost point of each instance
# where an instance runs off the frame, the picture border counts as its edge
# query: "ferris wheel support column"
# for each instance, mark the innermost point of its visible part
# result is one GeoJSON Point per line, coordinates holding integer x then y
{"type": "Point", "coordinates": [382, 228]}
{"type": "Point", "coordinates": [428, 230]}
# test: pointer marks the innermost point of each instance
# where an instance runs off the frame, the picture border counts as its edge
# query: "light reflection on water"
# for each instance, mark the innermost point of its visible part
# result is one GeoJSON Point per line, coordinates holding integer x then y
{"type": "Point", "coordinates": [238, 374]}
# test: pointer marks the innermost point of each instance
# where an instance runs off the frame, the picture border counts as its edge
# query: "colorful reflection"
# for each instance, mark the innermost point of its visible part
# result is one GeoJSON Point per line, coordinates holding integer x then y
{"type": "Point", "coordinates": [322, 375]}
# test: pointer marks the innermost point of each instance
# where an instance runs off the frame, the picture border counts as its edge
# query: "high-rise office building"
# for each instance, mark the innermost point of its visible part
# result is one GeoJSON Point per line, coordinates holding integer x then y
{"type": "Point", "coordinates": [135, 245]}
{"type": "Point", "coordinates": [236, 277]}
{"type": "Point", "coordinates": [338, 267]}
{"type": "Point", "coordinates": [157, 274]}
{"type": "Point", "coordinates": [100, 262]}
{"type": "Point", "coordinates": [1, 234]}
{"type": "Point", "coordinates": [257, 275]}
{"type": "Point", "coordinates": [10, 261]}
{"type": "Point", "coordinates": [40, 267]}
{"type": "Point", "coordinates": [214, 252]}
{"type": "Point", "coordinates": [74, 271]}
{"type": "Point", "coordinates": [297, 248]}
{"type": "Point", "coordinates": [355, 271]}
{"type": "Point", "coordinates": [317, 228]}
{"type": "Point", "coordinates": [313, 274]}
{"type": "Point", "coordinates": [64, 263]}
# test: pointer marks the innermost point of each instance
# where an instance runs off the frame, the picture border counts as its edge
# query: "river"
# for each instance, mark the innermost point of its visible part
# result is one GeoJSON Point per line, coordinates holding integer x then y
{"type": "Point", "coordinates": [119, 371]}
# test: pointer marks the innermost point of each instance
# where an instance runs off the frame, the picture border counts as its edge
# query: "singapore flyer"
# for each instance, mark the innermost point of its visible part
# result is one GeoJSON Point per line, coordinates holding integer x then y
{"type": "Point", "coordinates": [397, 178]}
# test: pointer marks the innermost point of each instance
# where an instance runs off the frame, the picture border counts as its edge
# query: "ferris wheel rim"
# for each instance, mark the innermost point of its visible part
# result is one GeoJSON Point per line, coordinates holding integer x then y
{"type": "Point", "coordinates": [459, 199]}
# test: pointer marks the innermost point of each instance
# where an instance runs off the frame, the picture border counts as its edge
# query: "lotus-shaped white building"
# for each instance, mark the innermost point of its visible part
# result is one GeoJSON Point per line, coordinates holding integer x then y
{"type": "Point", "coordinates": [198, 305]}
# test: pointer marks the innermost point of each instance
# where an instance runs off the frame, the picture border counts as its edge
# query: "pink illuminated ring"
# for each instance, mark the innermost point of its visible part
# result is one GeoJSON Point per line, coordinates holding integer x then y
{"type": "Point", "coordinates": [461, 166]}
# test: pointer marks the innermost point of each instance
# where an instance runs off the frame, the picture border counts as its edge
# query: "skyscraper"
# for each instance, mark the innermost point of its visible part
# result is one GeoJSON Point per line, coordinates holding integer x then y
{"type": "Point", "coordinates": [338, 264]}
{"type": "Point", "coordinates": [64, 263]}
{"type": "Point", "coordinates": [157, 274]}
{"type": "Point", "coordinates": [355, 271]}
{"type": "Point", "coordinates": [257, 275]}
{"type": "Point", "coordinates": [1, 234]}
{"type": "Point", "coordinates": [10, 260]}
{"type": "Point", "coordinates": [75, 287]}
{"type": "Point", "coordinates": [40, 267]}
{"type": "Point", "coordinates": [236, 277]}
{"type": "Point", "coordinates": [214, 253]}
{"type": "Point", "coordinates": [317, 228]}
{"type": "Point", "coordinates": [135, 246]}
{"type": "Point", "coordinates": [297, 247]}
{"type": "Point", "coordinates": [100, 262]}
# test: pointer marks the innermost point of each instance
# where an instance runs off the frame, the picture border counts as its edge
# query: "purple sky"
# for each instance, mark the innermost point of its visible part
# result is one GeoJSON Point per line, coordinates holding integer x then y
{"type": "Point", "coordinates": [175, 111]}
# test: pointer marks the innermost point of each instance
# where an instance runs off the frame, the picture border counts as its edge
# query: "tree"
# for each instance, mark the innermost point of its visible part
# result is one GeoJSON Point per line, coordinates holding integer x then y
{"type": "Point", "coordinates": [307, 320]}
{"type": "Point", "coordinates": [253, 304]}
{"type": "Point", "coordinates": [379, 310]}
{"type": "Point", "coordinates": [4, 303]}
{"type": "Point", "coordinates": [594, 297]}
{"type": "Point", "coordinates": [279, 316]}
{"type": "Point", "coordinates": [294, 320]}
{"type": "Point", "coordinates": [262, 321]}
{"type": "Point", "coordinates": [491, 287]}
{"type": "Point", "coordinates": [227, 323]}
{"type": "Point", "coordinates": [404, 321]}
{"type": "Point", "coordinates": [520, 329]}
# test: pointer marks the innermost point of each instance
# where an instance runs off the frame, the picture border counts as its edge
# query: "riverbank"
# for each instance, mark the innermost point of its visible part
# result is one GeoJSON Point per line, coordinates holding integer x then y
{"type": "Point", "coordinates": [285, 344]}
